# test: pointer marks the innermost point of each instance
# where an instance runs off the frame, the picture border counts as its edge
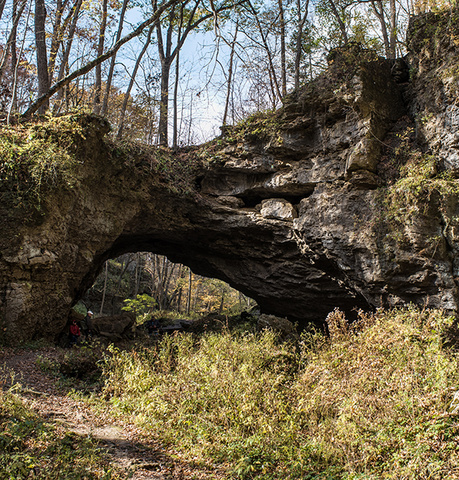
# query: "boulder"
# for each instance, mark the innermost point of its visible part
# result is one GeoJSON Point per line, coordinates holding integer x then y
{"type": "Point", "coordinates": [115, 327]}
{"type": "Point", "coordinates": [278, 208]}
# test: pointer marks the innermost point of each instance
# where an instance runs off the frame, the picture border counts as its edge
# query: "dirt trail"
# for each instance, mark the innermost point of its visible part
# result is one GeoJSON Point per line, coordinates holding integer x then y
{"type": "Point", "coordinates": [139, 457]}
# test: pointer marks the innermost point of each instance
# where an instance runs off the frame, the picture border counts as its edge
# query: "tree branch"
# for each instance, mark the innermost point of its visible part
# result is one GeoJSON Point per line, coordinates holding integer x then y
{"type": "Point", "coordinates": [89, 66]}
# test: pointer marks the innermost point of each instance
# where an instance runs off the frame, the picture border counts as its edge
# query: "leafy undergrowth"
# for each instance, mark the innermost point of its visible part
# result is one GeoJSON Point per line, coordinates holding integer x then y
{"type": "Point", "coordinates": [369, 402]}
{"type": "Point", "coordinates": [32, 448]}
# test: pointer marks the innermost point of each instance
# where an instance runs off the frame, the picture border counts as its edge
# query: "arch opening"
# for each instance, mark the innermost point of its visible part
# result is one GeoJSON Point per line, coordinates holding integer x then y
{"type": "Point", "coordinates": [166, 286]}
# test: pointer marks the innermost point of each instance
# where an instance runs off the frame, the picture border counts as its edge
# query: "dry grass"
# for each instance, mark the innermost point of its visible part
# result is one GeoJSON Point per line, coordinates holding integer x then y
{"type": "Point", "coordinates": [372, 401]}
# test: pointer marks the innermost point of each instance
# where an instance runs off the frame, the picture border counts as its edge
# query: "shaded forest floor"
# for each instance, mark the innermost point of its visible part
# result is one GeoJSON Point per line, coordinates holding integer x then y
{"type": "Point", "coordinates": [125, 451]}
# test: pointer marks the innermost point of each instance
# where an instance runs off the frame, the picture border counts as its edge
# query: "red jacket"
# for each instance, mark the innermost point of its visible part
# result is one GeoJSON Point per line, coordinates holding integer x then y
{"type": "Point", "coordinates": [75, 330]}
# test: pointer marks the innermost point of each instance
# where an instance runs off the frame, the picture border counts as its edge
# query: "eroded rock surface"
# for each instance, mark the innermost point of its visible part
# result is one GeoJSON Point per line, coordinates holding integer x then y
{"type": "Point", "coordinates": [288, 208]}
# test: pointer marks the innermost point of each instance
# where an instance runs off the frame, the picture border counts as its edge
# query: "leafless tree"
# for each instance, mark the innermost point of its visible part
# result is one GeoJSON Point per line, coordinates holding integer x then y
{"type": "Point", "coordinates": [100, 51]}
{"type": "Point", "coordinates": [111, 69]}
{"type": "Point", "coordinates": [87, 67]}
{"type": "Point", "coordinates": [42, 58]}
{"type": "Point", "coordinates": [10, 46]}
{"type": "Point", "coordinates": [229, 79]}
{"type": "Point", "coordinates": [302, 16]}
{"type": "Point", "coordinates": [119, 132]}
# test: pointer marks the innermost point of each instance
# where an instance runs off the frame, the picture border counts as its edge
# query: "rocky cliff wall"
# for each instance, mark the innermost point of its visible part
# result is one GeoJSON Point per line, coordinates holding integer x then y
{"type": "Point", "coordinates": [346, 197]}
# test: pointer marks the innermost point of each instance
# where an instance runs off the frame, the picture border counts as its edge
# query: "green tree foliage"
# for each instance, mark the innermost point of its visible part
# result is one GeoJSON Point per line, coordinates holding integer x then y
{"type": "Point", "coordinates": [142, 306]}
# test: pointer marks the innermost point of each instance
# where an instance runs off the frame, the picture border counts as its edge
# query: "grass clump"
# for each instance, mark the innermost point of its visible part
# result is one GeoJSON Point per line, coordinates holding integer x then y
{"type": "Point", "coordinates": [37, 157]}
{"type": "Point", "coordinates": [371, 401]}
{"type": "Point", "coordinates": [418, 190]}
{"type": "Point", "coordinates": [176, 168]}
{"type": "Point", "coordinates": [380, 398]}
{"type": "Point", "coordinates": [31, 448]}
{"type": "Point", "coordinates": [264, 126]}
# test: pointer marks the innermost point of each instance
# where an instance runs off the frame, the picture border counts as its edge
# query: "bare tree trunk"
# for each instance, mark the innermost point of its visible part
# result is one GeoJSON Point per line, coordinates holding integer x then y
{"type": "Point", "coordinates": [188, 301]}
{"type": "Point", "coordinates": [222, 303]}
{"type": "Point", "coordinates": [164, 103]}
{"type": "Point", "coordinates": [97, 61]}
{"type": "Point", "coordinates": [196, 296]}
{"type": "Point", "coordinates": [119, 133]}
{"type": "Point", "coordinates": [379, 12]}
{"type": "Point", "coordinates": [190, 121]}
{"type": "Point", "coordinates": [272, 70]}
{"type": "Point", "coordinates": [393, 29]}
{"type": "Point", "coordinates": [179, 289]}
{"type": "Point", "coordinates": [341, 24]}
{"type": "Point", "coordinates": [230, 75]}
{"type": "Point", "coordinates": [112, 61]}
{"type": "Point", "coordinates": [56, 39]}
{"type": "Point", "coordinates": [2, 6]}
{"type": "Point", "coordinates": [65, 57]}
{"type": "Point", "coordinates": [283, 59]}
{"type": "Point", "coordinates": [179, 300]}
{"type": "Point", "coordinates": [164, 273]}
{"type": "Point", "coordinates": [161, 283]}
{"type": "Point", "coordinates": [11, 41]}
{"type": "Point", "coordinates": [100, 51]}
{"type": "Point", "coordinates": [176, 86]}
{"type": "Point", "coordinates": [14, 53]}
{"type": "Point", "coordinates": [105, 289]}
{"type": "Point", "coordinates": [175, 103]}
{"type": "Point", "coordinates": [15, 69]}
{"type": "Point", "coordinates": [167, 56]}
{"type": "Point", "coordinates": [301, 24]}
{"type": "Point", "coordinates": [66, 54]}
{"type": "Point", "coordinates": [137, 274]}
{"type": "Point", "coordinates": [42, 58]}
{"type": "Point", "coordinates": [126, 264]}
{"type": "Point", "coordinates": [67, 92]}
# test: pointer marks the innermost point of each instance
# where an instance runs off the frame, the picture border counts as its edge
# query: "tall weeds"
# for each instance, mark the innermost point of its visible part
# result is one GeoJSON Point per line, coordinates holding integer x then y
{"type": "Point", "coordinates": [371, 401]}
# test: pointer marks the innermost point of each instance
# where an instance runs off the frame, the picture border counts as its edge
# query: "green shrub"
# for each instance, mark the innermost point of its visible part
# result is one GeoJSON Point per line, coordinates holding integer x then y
{"type": "Point", "coordinates": [142, 306]}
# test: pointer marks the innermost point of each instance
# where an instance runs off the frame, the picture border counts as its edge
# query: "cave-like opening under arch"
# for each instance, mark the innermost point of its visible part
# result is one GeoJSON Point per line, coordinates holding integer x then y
{"type": "Point", "coordinates": [159, 287]}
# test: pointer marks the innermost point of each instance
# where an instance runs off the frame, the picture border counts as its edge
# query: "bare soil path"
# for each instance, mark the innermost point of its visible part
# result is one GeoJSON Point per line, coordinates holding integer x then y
{"type": "Point", "coordinates": [128, 449]}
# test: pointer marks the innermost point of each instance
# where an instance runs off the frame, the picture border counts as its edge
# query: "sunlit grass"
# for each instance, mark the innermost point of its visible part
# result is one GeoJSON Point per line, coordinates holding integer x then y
{"type": "Point", "coordinates": [368, 402]}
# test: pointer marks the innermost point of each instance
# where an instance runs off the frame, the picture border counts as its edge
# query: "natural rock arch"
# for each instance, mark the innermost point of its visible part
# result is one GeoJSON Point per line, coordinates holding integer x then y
{"type": "Point", "coordinates": [116, 209]}
{"type": "Point", "coordinates": [285, 207]}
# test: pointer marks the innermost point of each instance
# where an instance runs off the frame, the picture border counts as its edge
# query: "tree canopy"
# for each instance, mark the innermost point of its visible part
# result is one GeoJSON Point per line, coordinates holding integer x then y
{"type": "Point", "coordinates": [172, 72]}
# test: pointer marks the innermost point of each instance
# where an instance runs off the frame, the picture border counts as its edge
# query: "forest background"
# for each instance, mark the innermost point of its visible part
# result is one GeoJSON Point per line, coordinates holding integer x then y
{"type": "Point", "coordinates": [174, 73]}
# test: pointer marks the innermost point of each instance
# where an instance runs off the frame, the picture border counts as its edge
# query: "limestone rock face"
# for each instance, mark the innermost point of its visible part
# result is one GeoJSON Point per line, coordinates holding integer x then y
{"type": "Point", "coordinates": [435, 85]}
{"type": "Point", "coordinates": [282, 326]}
{"type": "Point", "coordinates": [289, 208]}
